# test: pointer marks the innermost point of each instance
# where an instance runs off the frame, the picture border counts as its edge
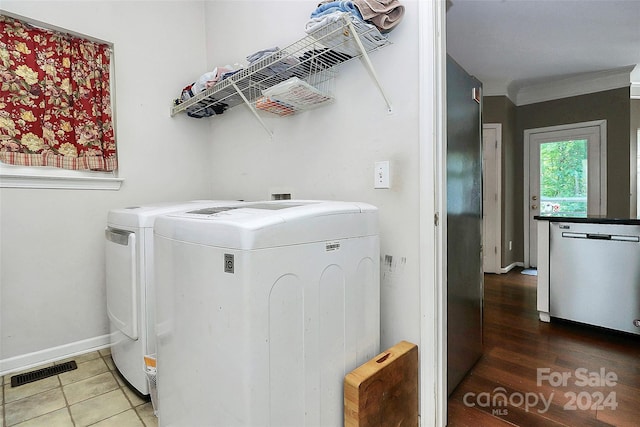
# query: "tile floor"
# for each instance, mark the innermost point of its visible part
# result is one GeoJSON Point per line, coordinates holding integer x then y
{"type": "Point", "coordinates": [92, 395]}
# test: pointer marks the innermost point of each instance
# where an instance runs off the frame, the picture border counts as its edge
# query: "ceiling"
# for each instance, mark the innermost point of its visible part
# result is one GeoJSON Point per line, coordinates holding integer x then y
{"type": "Point", "coordinates": [513, 44]}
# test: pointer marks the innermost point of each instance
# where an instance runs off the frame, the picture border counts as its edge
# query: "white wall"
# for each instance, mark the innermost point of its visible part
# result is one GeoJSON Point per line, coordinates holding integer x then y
{"type": "Point", "coordinates": [51, 272]}
{"type": "Point", "coordinates": [52, 295]}
{"type": "Point", "coordinates": [329, 152]}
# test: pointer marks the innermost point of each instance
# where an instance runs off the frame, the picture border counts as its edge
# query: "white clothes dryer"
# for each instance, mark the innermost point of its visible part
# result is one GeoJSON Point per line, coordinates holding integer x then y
{"type": "Point", "coordinates": [129, 282]}
{"type": "Point", "coordinates": [262, 310]}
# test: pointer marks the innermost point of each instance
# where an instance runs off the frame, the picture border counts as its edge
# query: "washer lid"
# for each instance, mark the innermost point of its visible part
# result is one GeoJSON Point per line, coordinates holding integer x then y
{"type": "Point", "coordinates": [269, 224]}
{"type": "Point", "coordinates": [144, 216]}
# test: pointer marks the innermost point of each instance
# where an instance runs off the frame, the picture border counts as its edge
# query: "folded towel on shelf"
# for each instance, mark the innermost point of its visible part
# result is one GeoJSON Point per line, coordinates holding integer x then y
{"type": "Point", "coordinates": [384, 14]}
{"type": "Point", "coordinates": [337, 40]}
{"type": "Point", "coordinates": [335, 6]}
{"type": "Point", "coordinates": [262, 54]}
{"type": "Point", "coordinates": [317, 22]}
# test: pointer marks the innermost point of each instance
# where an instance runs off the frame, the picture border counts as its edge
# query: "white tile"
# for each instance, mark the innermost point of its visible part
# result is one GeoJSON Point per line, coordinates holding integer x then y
{"type": "Point", "coordinates": [85, 370]}
{"type": "Point", "coordinates": [146, 413]}
{"type": "Point", "coordinates": [16, 393]}
{"type": "Point", "coordinates": [133, 397]}
{"type": "Point", "coordinates": [80, 358]}
{"type": "Point", "coordinates": [119, 378]}
{"type": "Point", "coordinates": [99, 408]}
{"type": "Point", "coordinates": [33, 406]}
{"type": "Point", "coordinates": [109, 361]}
{"type": "Point", "coordinates": [126, 419]}
{"type": "Point", "coordinates": [59, 418]}
{"type": "Point", "coordinates": [105, 351]}
{"type": "Point", "coordinates": [90, 387]}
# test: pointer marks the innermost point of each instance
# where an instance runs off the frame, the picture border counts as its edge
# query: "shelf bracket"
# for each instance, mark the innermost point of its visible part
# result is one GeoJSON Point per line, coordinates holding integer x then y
{"type": "Point", "coordinates": [253, 110]}
{"type": "Point", "coordinates": [364, 58]}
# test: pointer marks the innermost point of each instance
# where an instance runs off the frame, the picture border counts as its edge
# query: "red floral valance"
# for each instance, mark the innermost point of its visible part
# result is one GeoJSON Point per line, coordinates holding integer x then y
{"type": "Point", "coordinates": [55, 104]}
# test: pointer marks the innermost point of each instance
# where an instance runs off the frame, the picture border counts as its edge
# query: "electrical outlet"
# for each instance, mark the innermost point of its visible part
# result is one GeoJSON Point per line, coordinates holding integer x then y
{"type": "Point", "coordinates": [381, 177]}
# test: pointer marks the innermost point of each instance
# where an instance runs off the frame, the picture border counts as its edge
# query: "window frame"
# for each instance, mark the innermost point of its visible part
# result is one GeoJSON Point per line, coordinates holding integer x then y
{"type": "Point", "coordinates": [13, 176]}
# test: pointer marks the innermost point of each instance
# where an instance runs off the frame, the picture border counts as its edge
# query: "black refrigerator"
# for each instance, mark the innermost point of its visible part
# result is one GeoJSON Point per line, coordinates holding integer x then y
{"type": "Point", "coordinates": [464, 223]}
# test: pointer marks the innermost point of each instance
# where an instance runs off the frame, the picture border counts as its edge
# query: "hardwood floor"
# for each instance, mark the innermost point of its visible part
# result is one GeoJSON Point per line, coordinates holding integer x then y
{"type": "Point", "coordinates": [525, 360]}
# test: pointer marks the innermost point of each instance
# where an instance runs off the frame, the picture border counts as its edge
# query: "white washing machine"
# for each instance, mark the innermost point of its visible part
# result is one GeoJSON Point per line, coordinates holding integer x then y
{"type": "Point", "coordinates": [262, 310]}
{"type": "Point", "coordinates": [129, 282]}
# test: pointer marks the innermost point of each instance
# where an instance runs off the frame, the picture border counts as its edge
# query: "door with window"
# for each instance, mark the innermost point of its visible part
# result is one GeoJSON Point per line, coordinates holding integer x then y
{"type": "Point", "coordinates": [566, 176]}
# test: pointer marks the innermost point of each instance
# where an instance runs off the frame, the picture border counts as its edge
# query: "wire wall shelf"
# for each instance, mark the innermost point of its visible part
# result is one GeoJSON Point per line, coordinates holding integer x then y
{"type": "Point", "coordinates": [296, 78]}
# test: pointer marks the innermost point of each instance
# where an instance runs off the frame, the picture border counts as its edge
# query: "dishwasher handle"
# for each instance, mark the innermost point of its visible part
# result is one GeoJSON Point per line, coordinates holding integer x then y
{"type": "Point", "coordinates": [598, 236]}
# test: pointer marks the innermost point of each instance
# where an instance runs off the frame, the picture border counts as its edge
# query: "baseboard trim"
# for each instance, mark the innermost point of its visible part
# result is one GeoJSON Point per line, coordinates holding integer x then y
{"type": "Point", "coordinates": [511, 267]}
{"type": "Point", "coordinates": [41, 357]}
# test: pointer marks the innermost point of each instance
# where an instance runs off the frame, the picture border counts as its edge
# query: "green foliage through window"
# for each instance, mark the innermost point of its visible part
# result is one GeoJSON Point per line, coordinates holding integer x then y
{"type": "Point", "coordinates": [563, 178]}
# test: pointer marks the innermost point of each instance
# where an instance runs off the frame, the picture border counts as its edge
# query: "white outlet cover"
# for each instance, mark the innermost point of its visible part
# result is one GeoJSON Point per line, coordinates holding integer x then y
{"type": "Point", "coordinates": [381, 175]}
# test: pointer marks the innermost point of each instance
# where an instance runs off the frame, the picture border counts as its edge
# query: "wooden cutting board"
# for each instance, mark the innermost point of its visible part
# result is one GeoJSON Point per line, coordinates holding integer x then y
{"type": "Point", "coordinates": [384, 390]}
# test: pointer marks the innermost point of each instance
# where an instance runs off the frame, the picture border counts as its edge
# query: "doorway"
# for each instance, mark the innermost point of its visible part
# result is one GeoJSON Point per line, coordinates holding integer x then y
{"type": "Point", "coordinates": [492, 197]}
{"type": "Point", "coordinates": [565, 175]}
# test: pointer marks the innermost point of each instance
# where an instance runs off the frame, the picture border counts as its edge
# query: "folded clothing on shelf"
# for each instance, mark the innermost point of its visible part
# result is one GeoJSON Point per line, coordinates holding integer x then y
{"type": "Point", "coordinates": [330, 6]}
{"type": "Point", "coordinates": [325, 29]}
{"type": "Point", "coordinates": [384, 14]}
{"type": "Point", "coordinates": [207, 107]}
{"type": "Point", "coordinates": [275, 62]}
{"type": "Point", "coordinates": [298, 94]}
{"type": "Point", "coordinates": [211, 78]}
{"type": "Point", "coordinates": [204, 108]}
{"type": "Point", "coordinates": [273, 106]}
{"type": "Point", "coordinates": [313, 61]}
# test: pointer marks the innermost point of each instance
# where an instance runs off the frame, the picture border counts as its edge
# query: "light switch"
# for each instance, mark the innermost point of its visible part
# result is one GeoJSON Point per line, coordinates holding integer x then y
{"type": "Point", "coordinates": [381, 175]}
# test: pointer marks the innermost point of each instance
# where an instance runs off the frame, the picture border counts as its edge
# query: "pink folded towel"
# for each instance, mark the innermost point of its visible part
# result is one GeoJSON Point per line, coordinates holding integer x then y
{"type": "Point", "coordinates": [384, 14]}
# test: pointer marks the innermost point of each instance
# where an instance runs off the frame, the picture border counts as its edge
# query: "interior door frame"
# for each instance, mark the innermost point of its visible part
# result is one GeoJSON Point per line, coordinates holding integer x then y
{"type": "Point", "coordinates": [602, 124]}
{"type": "Point", "coordinates": [497, 201]}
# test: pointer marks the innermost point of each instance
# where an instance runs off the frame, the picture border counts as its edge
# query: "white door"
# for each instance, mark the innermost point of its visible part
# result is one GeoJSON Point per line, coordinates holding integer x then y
{"type": "Point", "coordinates": [491, 197]}
{"type": "Point", "coordinates": [566, 175]}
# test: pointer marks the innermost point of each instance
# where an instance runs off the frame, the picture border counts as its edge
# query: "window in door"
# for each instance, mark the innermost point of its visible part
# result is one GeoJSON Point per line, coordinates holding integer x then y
{"type": "Point", "coordinates": [563, 178]}
{"type": "Point", "coordinates": [565, 175]}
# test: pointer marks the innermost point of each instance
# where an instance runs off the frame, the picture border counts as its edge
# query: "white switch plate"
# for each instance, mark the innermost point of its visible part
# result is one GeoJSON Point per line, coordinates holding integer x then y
{"type": "Point", "coordinates": [381, 175]}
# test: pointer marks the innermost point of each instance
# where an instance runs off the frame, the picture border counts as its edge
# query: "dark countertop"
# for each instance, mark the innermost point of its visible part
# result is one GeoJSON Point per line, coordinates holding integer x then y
{"type": "Point", "coordinates": [589, 220]}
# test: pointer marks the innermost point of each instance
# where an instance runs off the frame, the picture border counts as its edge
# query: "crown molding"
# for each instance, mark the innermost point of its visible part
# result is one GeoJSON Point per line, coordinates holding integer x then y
{"type": "Point", "coordinates": [581, 84]}
{"type": "Point", "coordinates": [498, 88]}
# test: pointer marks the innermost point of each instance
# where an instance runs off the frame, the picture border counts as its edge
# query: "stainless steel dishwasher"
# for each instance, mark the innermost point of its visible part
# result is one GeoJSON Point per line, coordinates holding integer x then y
{"type": "Point", "coordinates": [595, 274]}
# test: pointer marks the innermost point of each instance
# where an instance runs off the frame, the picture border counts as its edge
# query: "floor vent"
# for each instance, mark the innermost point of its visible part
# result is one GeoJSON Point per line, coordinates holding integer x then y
{"type": "Point", "coordinates": [41, 374]}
